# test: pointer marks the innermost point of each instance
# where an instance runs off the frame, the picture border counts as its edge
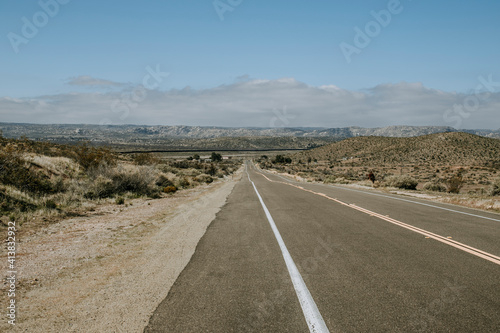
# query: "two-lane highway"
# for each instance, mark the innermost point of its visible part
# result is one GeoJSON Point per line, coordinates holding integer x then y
{"type": "Point", "coordinates": [369, 262]}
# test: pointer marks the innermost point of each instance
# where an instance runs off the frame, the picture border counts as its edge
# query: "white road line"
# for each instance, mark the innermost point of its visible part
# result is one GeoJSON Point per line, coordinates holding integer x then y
{"type": "Point", "coordinates": [313, 317]}
{"type": "Point", "coordinates": [466, 248]}
{"type": "Point", "coordinates": [400, 199]}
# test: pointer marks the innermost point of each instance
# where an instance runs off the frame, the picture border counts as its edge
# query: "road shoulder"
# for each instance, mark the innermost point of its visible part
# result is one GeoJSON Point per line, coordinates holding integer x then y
{"type": "Point", "coordinates": [108, 272]}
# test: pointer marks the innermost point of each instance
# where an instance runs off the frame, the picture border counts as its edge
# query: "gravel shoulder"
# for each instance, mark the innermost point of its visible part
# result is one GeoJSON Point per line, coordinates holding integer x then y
{"type": "Point", "coordinates": [108, 272]}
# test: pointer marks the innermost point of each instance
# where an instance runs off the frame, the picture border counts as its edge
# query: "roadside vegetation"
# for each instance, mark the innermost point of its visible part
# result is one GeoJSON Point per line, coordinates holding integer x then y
{"type": "Point", "coordinates": [50, 181]}
{"type": "Point", "coordinates": [459, 167]}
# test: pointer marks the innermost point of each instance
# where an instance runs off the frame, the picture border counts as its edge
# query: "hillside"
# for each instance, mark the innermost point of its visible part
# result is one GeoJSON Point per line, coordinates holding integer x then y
{"type": "Point", "coordinates": [453, 162]}
{"type": "Point", "coordinates": [54, 180]}
{"type": "Point", "coordinates": [453, 148]}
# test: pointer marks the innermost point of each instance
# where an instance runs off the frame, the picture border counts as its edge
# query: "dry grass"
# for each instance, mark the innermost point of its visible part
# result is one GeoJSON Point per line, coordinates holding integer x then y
{"type": "Point", "coordinates": [40, 179]}
{"type": "Point", "coordinates": [460, 163]}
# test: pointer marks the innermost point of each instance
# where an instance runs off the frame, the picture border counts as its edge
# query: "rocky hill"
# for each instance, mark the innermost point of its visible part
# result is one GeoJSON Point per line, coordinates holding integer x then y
{"type": "Point", "coordinates": [452, 148]}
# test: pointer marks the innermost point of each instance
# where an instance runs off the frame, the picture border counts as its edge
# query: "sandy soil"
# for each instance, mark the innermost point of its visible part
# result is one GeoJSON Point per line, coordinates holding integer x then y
{"type": "Point", "coordinates": [109, 271]}
{"type": "Point", "coordinates": [416, 195]}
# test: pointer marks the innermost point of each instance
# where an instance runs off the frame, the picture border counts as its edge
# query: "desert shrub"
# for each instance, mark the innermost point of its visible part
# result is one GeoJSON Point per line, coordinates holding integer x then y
{"type": "Point", "coordinates": [455, 184]}
{"type": "Point", "coordinates": [50, 204]}
{"type": "Point", "coordinates": [168, 169]}
{"type": "Point", "coordinates": [10, 203]}
{"type": "Point", "coordinates": [371, 177]}
{"type": "Point", "coordinates": [14, 171]}
{"type": "Point", "coordinates": [183, 182]}
{"type": "Point", "coordinates": [145, 159]}
{"type": "Point", "coordinates": [101, 187]}
{"type": "Point", "coordinates": [91, 157]}
{"type": "Point", "coordinates": [204, 178]}
{"type": "Point", "coordinates": [435, 187]}
{"type": "Point", "coordinates": [119, 200]}
{"type": "Point", "coordinates": [107, 181]}
{"type": "Point", "coordinates": [181, 164]}
{"type": "Point", "coordinates": [216, 157]}
{"type": "Point", "coordinates": [332, 179]}
{"type": "Point", "coordinates": [59, 185]}
{"type": "Point", "coordinates": [211, 170]}
{"type": "Point", "coordinates": [329, 180]}
{"type": "Point", "coordinates": [163, 181]}
{"type": "Point", "coordinates": [495, 187]}
{"type": "Point", "coordinates": [403, 182]}
{"type": "Point", "coordinates": [280, 159]}
{"type": "Point", "coordinates": [170, 189]}
{"type": "Point", "coordinates": [135, 182]}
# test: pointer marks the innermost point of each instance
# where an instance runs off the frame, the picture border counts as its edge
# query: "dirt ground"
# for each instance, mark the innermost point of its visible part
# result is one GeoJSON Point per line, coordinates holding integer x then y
{"type": "Point", "coordinates": [107, 272]}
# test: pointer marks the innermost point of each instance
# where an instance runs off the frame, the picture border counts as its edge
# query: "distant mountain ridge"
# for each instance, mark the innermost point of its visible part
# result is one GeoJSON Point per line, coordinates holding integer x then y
{"type": "Point", "coordinates": [102, 133]}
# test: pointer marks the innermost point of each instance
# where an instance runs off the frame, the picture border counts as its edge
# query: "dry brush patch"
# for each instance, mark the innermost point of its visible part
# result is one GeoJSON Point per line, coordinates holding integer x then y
{"type": "Point", "coordinates": [40, 179]}
{"type": "Point", "coordinates": [447, 163]}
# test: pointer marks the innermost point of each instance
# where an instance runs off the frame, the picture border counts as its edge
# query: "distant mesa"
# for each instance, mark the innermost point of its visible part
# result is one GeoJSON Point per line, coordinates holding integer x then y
{"type": "Point", "coordinates": [43, 131]}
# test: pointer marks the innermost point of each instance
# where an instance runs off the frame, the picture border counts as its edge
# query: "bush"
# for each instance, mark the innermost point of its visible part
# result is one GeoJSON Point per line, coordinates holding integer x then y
{"type": "Point", "coordinates": [216, 157]}
{"type": "Point", "coordinates": [111, 181]}
{"type": "Point", "coordinates": [495, 187]}
{"type": "Point", "coordinates": [203, 178]}
{"type": "Point", "coordinates": [134, 182]}
{"type": "Point", "coordinates": [163, 181]}
{"type": "Point", "coordinates": [212, 170]}
{"type": "Point", "coordinates": [91, 157]}
{"type": "Point", "coordinates": [101, 187]}
{"type": "Point", "coordinates": [10, 203]}
{"type": "Point", "coordinates": [58, 185]}
{"type": "Point", "coordinates": [170, 189]}
{"type": "Point", "coordinates": [15, 171]}
{"type": "Point", "coordinates": [454, 184]}
{"type": "Point", "coordinates": [371, 177]}
{"type": "Point", "coordinates": [403, 182]}
{"type": "Point", "coordinates": [145, 159]}
{"type": "Point", "coordinates": [280, 159]}
{"type": "Point", "coordinates": [120, 201]}
{"type": "Point", "coordinates": [183, 182]}
{"type": "Point", "coordinates": [435, 187]}
{"type": "Point", "coordinates": [50, 204]}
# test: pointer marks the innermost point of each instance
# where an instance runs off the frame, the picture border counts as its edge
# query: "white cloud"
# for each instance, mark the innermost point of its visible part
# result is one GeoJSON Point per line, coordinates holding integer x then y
{"type": "Point", "coordinates": [253, 102]}
{"type": "Point", "coordinates": [85, 80]}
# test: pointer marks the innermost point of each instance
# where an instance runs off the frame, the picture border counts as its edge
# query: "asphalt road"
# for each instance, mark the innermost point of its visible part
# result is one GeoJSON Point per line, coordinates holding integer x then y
{"type": "Point", "coordinates": [369, 262]}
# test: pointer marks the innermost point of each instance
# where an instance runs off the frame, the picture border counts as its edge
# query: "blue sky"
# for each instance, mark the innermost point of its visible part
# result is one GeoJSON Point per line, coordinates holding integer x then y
{"type": "Point", "coordinates": [87, 55]}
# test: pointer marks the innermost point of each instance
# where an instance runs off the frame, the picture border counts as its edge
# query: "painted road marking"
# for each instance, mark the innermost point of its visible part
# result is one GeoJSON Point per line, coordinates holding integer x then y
{"type": "Point", "coordinates": [312, 315]}
{"type": "Point", "coordinates": [469, 249]}
{"type": "Point", "coordinates": [401, 199]}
